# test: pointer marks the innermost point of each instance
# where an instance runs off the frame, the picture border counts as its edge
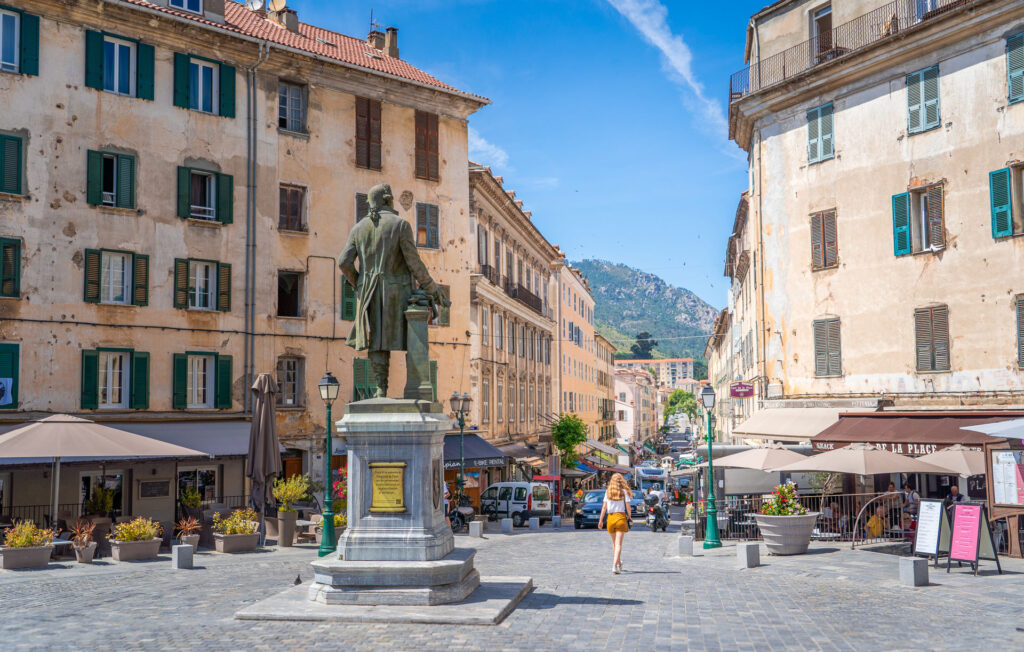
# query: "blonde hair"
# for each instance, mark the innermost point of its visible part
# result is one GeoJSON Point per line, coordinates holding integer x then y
{"type": "Point", "coordinates": [617, 488]}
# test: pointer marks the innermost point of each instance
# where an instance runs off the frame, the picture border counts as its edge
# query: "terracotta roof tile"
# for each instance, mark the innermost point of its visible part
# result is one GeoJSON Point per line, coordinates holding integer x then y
{"type": "Point", "coordinates": [312, 39]}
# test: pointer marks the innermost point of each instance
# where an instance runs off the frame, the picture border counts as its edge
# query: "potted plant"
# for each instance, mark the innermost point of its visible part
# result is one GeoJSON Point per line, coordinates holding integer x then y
{"type": "Point", "coordinates": [188, 532]}
{"type": "Point", "coordinates": [785, 524]}
{"type": "Point", "coordinates": [82, 541]}
{"type": "Point", "coordinates": [26, 546]}
{"type": "Point", "coordinates": [99, 504]}
{"type": "Point", "coordinates": [136, 540]}
{"type": "Point", "coordinates": [191, 500]}
{"type": "Point", "coordinates": [289, 491]}
{"type": "Point", "coordinates": [239, 532]}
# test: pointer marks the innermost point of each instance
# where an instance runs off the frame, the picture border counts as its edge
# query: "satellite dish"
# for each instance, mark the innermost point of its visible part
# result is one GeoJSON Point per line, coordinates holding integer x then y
{"type": "Point", "coordinates": [256, 5]}
{"type": "Point", "coordinates": [277, 5]}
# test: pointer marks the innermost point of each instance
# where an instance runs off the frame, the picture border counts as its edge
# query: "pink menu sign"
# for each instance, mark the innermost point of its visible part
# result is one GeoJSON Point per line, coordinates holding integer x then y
{"type": "Point", "coordinates": [966, 528]}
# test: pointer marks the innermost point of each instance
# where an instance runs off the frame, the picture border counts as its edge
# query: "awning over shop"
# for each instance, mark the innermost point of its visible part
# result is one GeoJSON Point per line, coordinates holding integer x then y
{"type": "Point", "coordinates": [623, 449]}
{"type": "Point", "coordinates": [518, 451]}
{"type": "Point", "coordinates": [789, 424]}
{"type": "Point", "coordinates": [909, 433]}
{"type": "Point", "coordinates": [479, 453]}
{"type": "Point", "coordinates": [583, 467]}
{"type": "Point", "coordinates": [601, 465]}
{"type": "Point", "coordinates": [604, 448]}
{"type": "Point", "coordinates": [650, 448]}
{"type": "Point", "coordinates": [574, 473]}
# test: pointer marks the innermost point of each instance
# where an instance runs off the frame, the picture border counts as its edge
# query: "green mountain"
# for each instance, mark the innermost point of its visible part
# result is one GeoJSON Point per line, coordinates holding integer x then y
{"type": "Point", "coordinates": [630, 301]}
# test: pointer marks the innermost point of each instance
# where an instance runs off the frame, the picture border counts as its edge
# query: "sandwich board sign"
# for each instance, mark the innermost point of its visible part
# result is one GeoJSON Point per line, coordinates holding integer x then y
{"type": "Point", "coordinates": [933, 531]}
{"type": "Point", "coordinates": [971, 538]}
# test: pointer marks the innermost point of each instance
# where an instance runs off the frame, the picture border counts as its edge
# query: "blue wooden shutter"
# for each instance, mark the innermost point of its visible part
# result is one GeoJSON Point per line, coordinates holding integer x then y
{"type": "Point", "coordinates": [915, 106]}
{"type": "Point", "coordinates": [1015, 66]}
{"type": "Point", "coordinates": [125, 181]}
{"type": "Point", "coordinates": [10, 164]}
{"type": "Point", "coordinates": [144, 65]}
{"type": "Point", "coordinates": [94, 178]}
{"type": "Point", "coordinates": [94, 60]}
{"type": "Point", "coordinates": [179, 381]}
{"type": "Point", "coordinates": [901, 224]}
{"type": "Point", "coordinates": [433, 227]}
{"type": "Point", "coordinates": [90, 396]}
{"type": "Point", "coordinates": [227, 91]}
{"type": "Point", "coordinates": [999, 198]}
{"type": "Point", "coordinates": [223, 381]}
{"type": "Point", "coordinates": [138, 395]}
{"type": "Point", "coordinates": [9, 369]}
{"type": "Point", "coordinates": [827, 146]}
{"type": "Point", "coordinates": [930, 86]}
{"type": "Point", "coordinates": [28, 56]}
{"type": "Point", "coordinates": [813, 135]}
{"type": "Point", "coordinates": [1020, 331]}
{"type": "Point", "coordinates": [181, 64]}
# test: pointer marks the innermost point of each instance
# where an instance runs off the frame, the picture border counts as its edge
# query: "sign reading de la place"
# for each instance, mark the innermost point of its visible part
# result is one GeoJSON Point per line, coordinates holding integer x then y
{"type": "Point", "coordinates": [387, 480]}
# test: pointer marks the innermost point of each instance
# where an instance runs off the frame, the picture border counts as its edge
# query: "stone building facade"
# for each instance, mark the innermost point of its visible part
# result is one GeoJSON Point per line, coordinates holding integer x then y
{"type": "Point", "coordinates": [669, 372]}
{"type": "Point", "coordinates": [577, 354]}
{"type": "Point", "coordinates": [605, 390]}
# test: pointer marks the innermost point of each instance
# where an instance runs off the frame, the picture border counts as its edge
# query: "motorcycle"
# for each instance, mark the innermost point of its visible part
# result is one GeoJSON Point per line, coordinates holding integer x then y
{"type": "Point", "coordinates": [460, 512]}
{"type": "Point", "coordinates": [655, 514]}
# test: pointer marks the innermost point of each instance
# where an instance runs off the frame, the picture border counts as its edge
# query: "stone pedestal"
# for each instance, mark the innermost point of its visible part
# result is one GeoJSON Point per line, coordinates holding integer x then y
{"type": "Point", "coordinates": [914, 571]}
{"type": "Point", "coordinates": [686, 546]}
{"type": "Point", "coordinates": [748, 555]}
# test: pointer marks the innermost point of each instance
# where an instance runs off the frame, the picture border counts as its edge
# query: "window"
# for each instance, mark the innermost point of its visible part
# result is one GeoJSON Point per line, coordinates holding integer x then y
{"type": "Point", "coordinates": [201, 480]}
{"type": "Point", "coordinates": [822, 32]}
{"type": "Point", "coordinates": [291, 217]}
{"type": "Point", "coordinates": [511, 337]}
{"type": "Point", "coordinates": [511, 401]}
{"type": "Point", "coordinates": [10, 164]}
{"type": "Point", "coordinates": [348, 301]}
{"type": "Point", "coordinates": [485, 320]}
{"type": "Point", "coordinates": [1015, 67]}
{"type": "Point", "coordinates": [824, 246]}
{"type": "Point", "coordinates": [113, 382]}
{"type": "Point", "coordinates": [111, 179]}
{"type": "Point", "coordinates": [204, 85]}
{"type": "Point", "coordinates": [118, 66]}
{"type": "Point", "coordinates": [202, 194]}
{"type": "Point", "coordinates": [10, 269]}
{"type": "Point", "coordinates": [1006, 193]}
{"type": "Point", "coordinates": [200, 381]}
{"type": "Point", "coordinates": [195, 6]}
{"type": "Point", "coordinates": [923, 100]}
{"type": "Point", "coordinates": [918, 221]}
{"type": "Point", "coordinates": [289, 381]}
{"type": "Point", "coordinates": [931, 336]}
{"type": "Point", "coordinates": [362, 206]}
{"type": "Point", "coordinates": [9, 40]}
{"type": "Point", "coordinates": [289, 294]}
{"type": "Point", "coordinates": [291, 107]}
{"type": "Point", "coordinates": [522, 402]}
{"type": "Point", "coordinates": [368, 140]}
{"type": "Point", "coordinates": [426, 226]}
{"type": "Point", "coordinates": [202, 285]}
{"type": "Point", "coordinates": [205, 195]}
{"type": "Point", "coordinates": [531, 347]}
{"type": "Point", "coordinates": [827, 349]}
{"type": "Point", "coordinates": [19, 42]}
{"type": "Point", "coordinates": [498, 397]}
{"type": "Point", "coordinates": [443, 314]}
{"type": "Point", "coordinates": [1020, 335]}
{"type": "Point", "coordinates": [481, 245]}
{"type": "Point", "coordinates": [9, 369]}
{"type": "Point", "coordinates": [499, 332]}
{"type": "Point", "coordinates": [116, 277]}
{"type": "Point", "coordinates": [820, 146]}
{"type": "Point", "coordinates": [115, 379]}
{"type": "Point", "coordinates": [485, 402]}
{"type": "Point", "coordinates": [427, 159]}
{"type": "Point", "coordinates": [522, 341]}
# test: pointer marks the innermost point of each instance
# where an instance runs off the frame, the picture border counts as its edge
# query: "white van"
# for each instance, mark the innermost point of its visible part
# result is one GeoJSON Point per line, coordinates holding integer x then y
{"type": "Point", "coordinates": [517, 501]}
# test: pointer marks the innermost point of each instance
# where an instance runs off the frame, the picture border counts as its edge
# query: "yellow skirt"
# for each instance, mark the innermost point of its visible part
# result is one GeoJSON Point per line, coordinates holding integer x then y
{"type": "Point", "coordinates": [617, 523]}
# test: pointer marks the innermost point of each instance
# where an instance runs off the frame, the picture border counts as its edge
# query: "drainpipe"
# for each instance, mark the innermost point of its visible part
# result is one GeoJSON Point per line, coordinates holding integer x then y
{"type": "Point", "coordinates": [250, 225]}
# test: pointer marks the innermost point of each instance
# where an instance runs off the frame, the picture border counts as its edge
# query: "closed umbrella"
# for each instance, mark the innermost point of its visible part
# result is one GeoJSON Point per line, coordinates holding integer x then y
{"type": "Point", "coordinates": [62, 435]}
{"type": "Point", "coordinates": [763, 458]}
{"type": "Point", "coordinates": [862, 459]}
{"type": "Point", "coordinates": [963, 461]}
{"type": "Point", "coordinates": [264, 461]}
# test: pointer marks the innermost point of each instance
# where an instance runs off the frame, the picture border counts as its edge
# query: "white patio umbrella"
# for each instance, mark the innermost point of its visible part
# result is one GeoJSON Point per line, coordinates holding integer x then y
{"type": "Point", "coordinates": [763, 458]}
{"type": "Point", "coordinates": [964, 461]}
{"type": "Point", "coordinates": [1011, 429]}
{"type": "Point", "coordinates": [62, 435]}
{"type": "Point", "coordinates": [863, 459]}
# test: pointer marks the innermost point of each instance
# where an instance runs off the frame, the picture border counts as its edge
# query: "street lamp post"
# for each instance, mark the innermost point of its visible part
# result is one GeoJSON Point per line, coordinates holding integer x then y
{"type": "Point", "coordinates": [460, 406]}
{"type": "Point", "coordinates": [711, 540]}
{"type": "Point", "coordinates": [329, 387]}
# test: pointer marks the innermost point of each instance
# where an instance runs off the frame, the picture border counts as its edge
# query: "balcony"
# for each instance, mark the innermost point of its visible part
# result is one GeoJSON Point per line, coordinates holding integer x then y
{"type": "Point", "coordinates": [491, 274]}
{"type": "Point", "coordinates": [520, 293]}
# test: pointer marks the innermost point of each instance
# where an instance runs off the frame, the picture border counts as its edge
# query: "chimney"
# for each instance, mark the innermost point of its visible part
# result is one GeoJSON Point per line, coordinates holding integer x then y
{"type": "Point", "coordinates": [289, 19]}
{"type": "Point", "coordinates": [391, 43]}
{"type": "Point", "coordinates": [375, 40]}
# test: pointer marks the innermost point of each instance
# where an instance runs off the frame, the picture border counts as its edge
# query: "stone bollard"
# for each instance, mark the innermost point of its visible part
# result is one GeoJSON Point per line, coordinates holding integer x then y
{"type": "Point", "coordinates": [534, 523]}
{"type": "Point", "coordinates": [686, 546]}
{"type": "Point", "coordinates": [748, 554]}
{"type": "Point", "coordinates": [506, 526]}
{"type": "Point", "coordinates": [556, 522]}
{"type": "Point", "coordinates": [181, 557]}
{"type": "Point", "coordinates": [914, 571]}
{"type": "Point", "coordinates": [476, 529]}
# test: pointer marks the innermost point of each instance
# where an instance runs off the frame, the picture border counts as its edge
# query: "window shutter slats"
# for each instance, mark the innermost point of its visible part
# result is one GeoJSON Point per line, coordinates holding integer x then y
{"type": "Point", "coordinates": [93, 262]}
{"type": "Point", "coordinates": [140, 280]}
{"type": "Point", "coordinates": [813, 135]}
{"type": "Point", "coordinates": [936, 222]}
{"type": "Point", "coordinates": [10, 165]}
{"type": "Point", "coordinates": [144, 70]}
{"type": "Point", "coordinates": [179, 381]}
{"type": "Point", "coordinates": [375, 135]}
{"type": "Point", "coordinates": [831, 238]}
{"type": "Point", "coordinates": [940, 337]}
{"type": "Point", "coordinates": [433, 160]}
{"type": "Point", "coordinates": [915, 107]}
{"type": "Point", "coordinates": [820, 348]}
{"type": "Point", "coordinates": [94, 178]}
{"type": "Point", "coordinates": [1020, 331]}
{"type": "Point", "coordinates": [835, 366]}
{"type": "Point", "coordinates": [225, 198]}
{"type": "Point", "coordinates": [138, 398]}
{"type": "Point", "coordinates": [90, 395]}
{"type": "Point", "coordinates": [421, 145]}
{"type": "Point", "coordinates": [433, 379]}
{"type": "Point", "coordinates": [348, 301]}
{"type": "Point", "coordinates": [923, 339]}
{"type": "Point", "coordinates": [930, 86]}
{"type": "Point", "coordinates": [827, 147]}
{"type": "Point", "coordinates": [184, 198]}
{"type": "Point", "coordinates": [362, 388]}
{"type": "Point", "coordinates": [999, 198]}
{"type": "Point", "coordinates": [817, 242]}
{"type": "Point", "coordinates": [181, 81]}
{"type": "Point", "coordinates": [1015, 66]}
{"type": "Point", "coordinates": [362, 206]}
{"type": "Point", "coordinates": [94, 59]}
{"type": "Point", "coordinates": [9, 368]}
{"type": "Point", "coordinates": [362, 132]}
{"type": "Point", "coordinates": [125, 181]}
{"type": "Point", "coordinates": [181, 283]}
{"type": "Point", "coordinates": [28, 56]}
{"type": "Point", "coordinates": [223, 381]}
{"type": "Point", "coordinates": [227, 91]}
{"type": "Point", "coordinates": [10, 267]}
{"type": "Point", "coordinates": [223, 287]}
{"type": "Point", "coordinates": [901, 224]}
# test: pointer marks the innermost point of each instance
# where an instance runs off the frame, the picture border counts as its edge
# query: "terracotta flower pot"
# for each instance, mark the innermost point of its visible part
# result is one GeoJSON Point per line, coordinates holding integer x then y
{"type": "Point", "coordinates": [31, 557]}
{"type": "Point", "coordinates": [286, 528]}
{"type": "Point", "coordinates": [135, 550]}
{"type": "Point", "coordinates": [236, 542]}
{"type": "Point", "coordinates": [84, 554]}
{"type": "Point", "coordinates": [190, 540]}
{"type": "Point", "coordinates": [786, 535]}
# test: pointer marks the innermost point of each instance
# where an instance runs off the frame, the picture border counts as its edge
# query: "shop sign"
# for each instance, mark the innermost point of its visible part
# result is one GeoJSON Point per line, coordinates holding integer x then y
{"type": "Point", "coordinates": [903, 448]}
{"type": "Point", "coordinates": [741, 390]}
{"type": "Point", "coordinates": [475, 462]}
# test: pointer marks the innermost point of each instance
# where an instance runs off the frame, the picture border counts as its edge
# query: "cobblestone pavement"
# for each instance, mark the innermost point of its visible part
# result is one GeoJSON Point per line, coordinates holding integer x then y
{"type": "Point", "coordinates": [833, 599]}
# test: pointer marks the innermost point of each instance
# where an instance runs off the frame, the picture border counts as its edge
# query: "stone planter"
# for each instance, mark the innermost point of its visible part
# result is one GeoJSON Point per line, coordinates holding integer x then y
{"type": "Point", "coordinates": [84, 554]}
{"type": "Point", "coordinates": [236, 542]}
{"type": "Point", "coordinates": [190, 540]}
{"type": "Point", "coordinates": [286, 528]}
{"type": "Point", "coordinates": [135, 550]}
{"type": "Point", "coordinates": [786, 535]}
{"type": "Point", "coordinates": [32, 557]}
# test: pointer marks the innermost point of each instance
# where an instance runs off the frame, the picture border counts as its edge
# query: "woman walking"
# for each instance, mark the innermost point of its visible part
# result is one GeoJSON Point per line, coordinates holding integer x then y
{"type": "Point", "coordinates": [616, 508]}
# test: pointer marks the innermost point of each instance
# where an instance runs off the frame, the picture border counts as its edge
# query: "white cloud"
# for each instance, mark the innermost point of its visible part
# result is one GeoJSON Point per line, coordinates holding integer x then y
{"type": "Point", "coordinates": [649, 17]}
{"type": "Point", "coordinates": [546, 183]}
{"type": "Point", "coordinates": [485, 153]}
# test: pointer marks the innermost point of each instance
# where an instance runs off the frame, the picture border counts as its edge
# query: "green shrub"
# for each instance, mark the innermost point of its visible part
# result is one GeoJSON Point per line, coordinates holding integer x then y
{"type": "Point", "coordinates": [784, 502]}
{"type": "Point", "coordinates": [101, 501]}
{"type": "Point", "coordinates": [241, 521]}
{"type": "Point", "coordinates": [289, 491]}
{"type": "Point", "coordinates": [25, 534]}
{"type": "Point", "coordinates": [190, 498]}
{"type": "Point", "coordinates": [138, 529]}
{"type": "Point", "coordinates": [340, 521]}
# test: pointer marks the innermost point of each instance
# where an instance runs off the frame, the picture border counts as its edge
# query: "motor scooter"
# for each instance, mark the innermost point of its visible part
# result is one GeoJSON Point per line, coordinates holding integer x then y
{"type": "Point", "coordinates": [655, 514]}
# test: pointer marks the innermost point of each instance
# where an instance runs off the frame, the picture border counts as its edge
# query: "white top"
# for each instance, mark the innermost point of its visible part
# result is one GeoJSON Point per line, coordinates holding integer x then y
{"type": "Point", "coordinates": [615, 506]}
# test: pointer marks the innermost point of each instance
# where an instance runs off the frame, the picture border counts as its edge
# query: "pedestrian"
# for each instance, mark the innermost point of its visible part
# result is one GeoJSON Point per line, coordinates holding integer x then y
{"type": "Point", "coordinates": [447, 498]}
{"type": "Point", "coordinates": [616, 509]}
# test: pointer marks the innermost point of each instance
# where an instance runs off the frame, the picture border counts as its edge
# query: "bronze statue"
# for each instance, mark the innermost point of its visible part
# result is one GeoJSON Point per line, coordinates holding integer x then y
{"type": "Point", "coordinates": [388, 261]}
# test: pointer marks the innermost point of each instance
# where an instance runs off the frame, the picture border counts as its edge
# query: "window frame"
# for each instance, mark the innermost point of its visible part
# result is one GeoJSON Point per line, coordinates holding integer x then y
{"type": "Point", "coordinates": [427, 146]}
{"type": "Point", "coordinates": [1015, 76]}
{"type": "Point", "coordinates": [485, 401]}
{"type": "Point", "coordinates": [284, 93]}
{"type": "Point", "coordinates": [485, 318]}
{"type": "Point", "coordinates": [197, 211]}
{"type": "Point", "coordinates": [16, 15]}
{"type": "Point", "coordinates": [833, 350]}
{"type": "Point", "coordinates": [104, 373]}
{"type": "Point", "coordinates": [133, 65]}
{"type": "Point", "coordinates": [172, 5]}
{"type": "Point", "coordinates": [296, 383]}
{"type": "Point", "coordinates": [287, 222]}
{"type": "Point", "coordinates": [819, 240]}
{"type": "Point", "coordinates": [210, 376]}
{"type": "Point", "coordinates": [369, 142]}
{"type": "Point", "coordinates": [193, 289]}
{"type": "Point", "coordinates": [195, 100]}
{"type": "Point", "coordinates": [816, 135]}
{"type": "Point", "coordinates": [300, 282]}
{"type": "Point", "coordinates": [918, 80]}
{"type": "Point", "coordinates": [933, 347]}
{"type": "Point", "coordinates": [127, 278]}
{"type": "Point", "coordinates": [431, 232]}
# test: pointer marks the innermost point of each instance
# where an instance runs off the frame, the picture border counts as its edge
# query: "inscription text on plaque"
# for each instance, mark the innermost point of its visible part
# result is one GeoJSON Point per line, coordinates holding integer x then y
{"type": "Point", "coordinates": [388, 485]}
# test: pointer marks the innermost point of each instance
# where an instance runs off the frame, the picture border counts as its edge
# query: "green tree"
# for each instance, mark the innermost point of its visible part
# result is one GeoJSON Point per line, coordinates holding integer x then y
{"type": "Point", "coordinates": [568, 432]}
{"type": "Point", "coordinates": [681, 401]}
{"type": "Point", "coordinates": [700, 369]}
{"type": "Point", "coordinates": [644, 347]}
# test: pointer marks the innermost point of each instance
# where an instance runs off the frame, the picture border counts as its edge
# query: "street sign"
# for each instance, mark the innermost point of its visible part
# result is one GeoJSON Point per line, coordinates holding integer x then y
{"type": "Point", "coordinates": [741, 390]}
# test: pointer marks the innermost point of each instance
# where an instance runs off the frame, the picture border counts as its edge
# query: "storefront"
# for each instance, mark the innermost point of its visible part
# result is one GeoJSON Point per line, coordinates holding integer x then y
{"type": "Point", "coordinates": [484, 464]}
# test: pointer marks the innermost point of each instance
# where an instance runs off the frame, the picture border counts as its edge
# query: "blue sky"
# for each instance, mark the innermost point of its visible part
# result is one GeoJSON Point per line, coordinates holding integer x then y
{"type": "Point", "coordinates": [607, 115]}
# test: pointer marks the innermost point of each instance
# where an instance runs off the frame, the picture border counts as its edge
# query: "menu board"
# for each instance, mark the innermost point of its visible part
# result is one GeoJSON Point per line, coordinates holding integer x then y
{"type": "Point", "coordinates": [932, 529]}
{"type": "Point", "coordinates": [1008, 477]}
{"type": "Point", "coordinates": [964, 544]}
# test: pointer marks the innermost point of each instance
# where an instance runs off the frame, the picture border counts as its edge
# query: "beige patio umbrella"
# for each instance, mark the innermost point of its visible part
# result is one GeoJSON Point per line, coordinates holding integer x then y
{"type": "Point", "coordinates": [763, 458]}
{"type": "Point", "coordinates": [963, 461]}
{"type": "Point", "coordinates": [862, 459]}
{"type": "Point", "coordinates": [62, 435]}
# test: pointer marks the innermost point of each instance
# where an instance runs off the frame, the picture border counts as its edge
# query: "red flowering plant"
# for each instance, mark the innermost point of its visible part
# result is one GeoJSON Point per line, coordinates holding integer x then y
{"type": "Point", "coordinates": [340, 490]}
{"type": "Point", "coordinates": [784, 502]}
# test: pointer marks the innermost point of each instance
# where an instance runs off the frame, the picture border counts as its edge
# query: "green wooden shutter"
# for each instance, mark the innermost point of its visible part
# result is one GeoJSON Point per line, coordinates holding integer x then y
{"type": "Point", "coordinates": [184, 196]}
{"type": "Point", "coordinates": [915, 108]}
{"type": "Point", "coordinates": [181, 283]}
{"type": "Point", "coordinates": [179, 381]}
{"type": "Point", "coordinates": [224, 287]}
{"type": "Point", "coordinates": [433, 226]}
{"type": "Point", "coordinates": [145, 56]}
{"type": "Point", "coordinates": [227, 91]}
{"type": "Point", "coordinates": [444, 312]}
{"type": "Point", "coordinates": [433, 379]}
{"type": "Point", "coordinates": [94, 178]}
{"type": "Point", "coordinates": [10, 267]}
{"type": "Point", "coordinates": [94, 59]}
{"type": "Point", "coordinates": [90, 380]}
{"type": "Point", "coordinates": [361, 379]}
{"type": "Point", "coordinates": [225, 198]}
{"type": "Point", "coordinates": [140, 280]}
{"type": "Point", "coordinates": [1020, 331]}
{"type": "Point", "coordinates": [930, 86]}
{"type": "Point", "coordinates": [348, 301]}
{"type": "Point", "coordinates": [223, 381]}
{"type": "Point", "coordinates": [813, 135]}
{"type": "Point", "coordinates": [901, 224]}
{"type": "Point", "coordinates": [1015, 67]}
{"type": "Point", "coordinates": [93, 263]}
{"type": "Point", "coordinates": [999, 198]}
{"type": "Point", "coordinates": [9, 369]}
{"type": "Point", "coordinates": [29, 54]}
{"type": "Point", "coordinates": [138, 396]}
{"type": "Point", "coordinates": [827, 145]}
{"type": "Point", "coordinates": [936, 220]}
{"type": "Point", "coordinates": [125, 181]}
{"type": "Point", "coordinates": [181, 64]}
{"type": "Point", "coordinates": [10, 164]}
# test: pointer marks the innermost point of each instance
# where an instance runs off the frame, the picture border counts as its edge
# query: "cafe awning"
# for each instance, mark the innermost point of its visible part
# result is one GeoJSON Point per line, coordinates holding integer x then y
{"type": "Point", "coordinates": [789, 424]}
{"type": "Point", "coordinates": [909, 433]}
{"type": "Point", "coordinates": [478, 453]}
{"type": "Point", "coordinates": [604, 448]}
{"type": "Point", "coordinates": [517, 451]}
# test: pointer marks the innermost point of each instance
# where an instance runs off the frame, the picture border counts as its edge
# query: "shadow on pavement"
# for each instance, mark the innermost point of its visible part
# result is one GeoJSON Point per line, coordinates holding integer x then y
{"type": "Point", "coordinates": [537, 600]}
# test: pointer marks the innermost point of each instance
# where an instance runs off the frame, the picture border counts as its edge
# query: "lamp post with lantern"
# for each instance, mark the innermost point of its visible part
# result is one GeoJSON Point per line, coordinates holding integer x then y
{"type": "Point", "coordinates": [460, 406]}
{"type": "Point", "coordinates": [711, 540]}
{"type": "Point", "coordinates": [329, 387]}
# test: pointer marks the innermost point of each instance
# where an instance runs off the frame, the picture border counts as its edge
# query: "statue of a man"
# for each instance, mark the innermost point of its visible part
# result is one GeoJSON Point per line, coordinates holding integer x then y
{"type": "Point", "coordinates": [388, 261]}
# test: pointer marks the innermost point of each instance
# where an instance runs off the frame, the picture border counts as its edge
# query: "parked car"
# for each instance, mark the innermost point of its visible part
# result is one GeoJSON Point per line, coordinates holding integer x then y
{"type": "Point", "coordinates": [517, 501]}
{"type": "Point", "coordinates": [589, 511]}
